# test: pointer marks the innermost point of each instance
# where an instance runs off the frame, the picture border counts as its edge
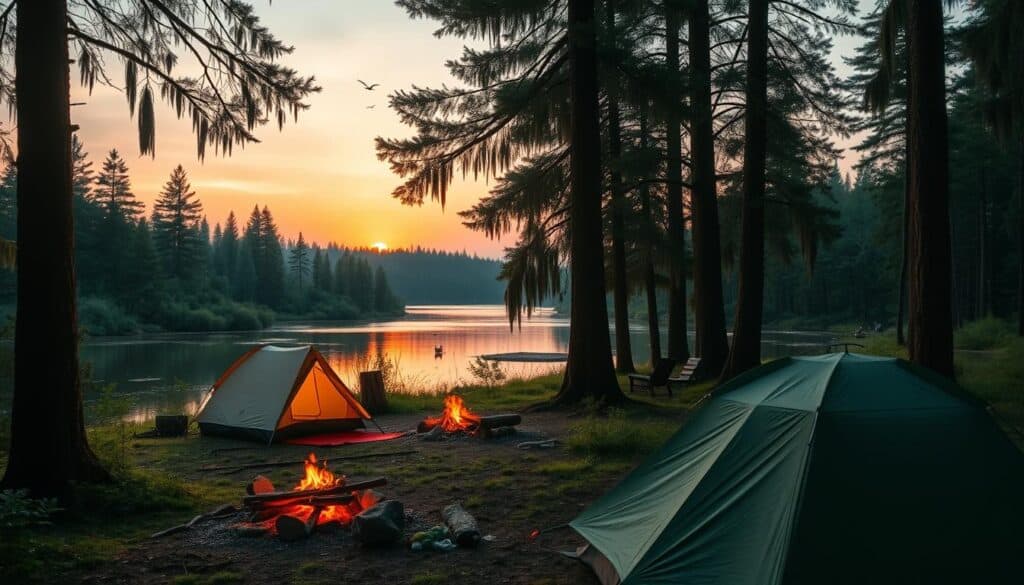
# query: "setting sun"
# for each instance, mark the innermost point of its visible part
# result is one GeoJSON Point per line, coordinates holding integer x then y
{"type": "Point", "coordinates": [380, 246]}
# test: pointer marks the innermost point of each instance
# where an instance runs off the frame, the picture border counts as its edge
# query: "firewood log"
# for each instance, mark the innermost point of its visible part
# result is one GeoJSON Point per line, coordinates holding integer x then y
{"type": "Point", "coordinates": [259, 485]}
{"type": "Point", "coordinates": [500, 420]}
{"type": "Point", "coordinates": [462, 525]}
{"type": "Point", "coordinates": [290, 528]}
{"type": "Point", "coordinates": [332, 500]}
{"type": "Point", "coordinates": [340, 489]}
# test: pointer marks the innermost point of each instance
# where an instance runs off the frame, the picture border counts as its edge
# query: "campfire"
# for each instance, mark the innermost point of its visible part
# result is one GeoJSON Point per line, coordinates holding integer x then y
{"type": "Point", "coordinates": [320, 498]}
{"type": "Point", "coordinates": [457, 418]}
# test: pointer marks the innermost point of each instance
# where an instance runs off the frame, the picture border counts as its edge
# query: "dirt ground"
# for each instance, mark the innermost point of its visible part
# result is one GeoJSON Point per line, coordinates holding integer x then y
{"type": "Point", "coordinates": [511, 492]}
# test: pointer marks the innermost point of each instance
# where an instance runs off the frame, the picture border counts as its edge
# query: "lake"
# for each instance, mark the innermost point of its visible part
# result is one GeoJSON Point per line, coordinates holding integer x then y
{"type": "Point", "coordinates": [170, 372]}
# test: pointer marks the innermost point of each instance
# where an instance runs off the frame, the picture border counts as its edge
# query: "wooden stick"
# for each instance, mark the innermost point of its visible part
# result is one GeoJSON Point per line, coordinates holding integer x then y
{"type": "Point", "coordinates": [266, 464]}
{"type": "Point", "coordinates": [340, 489]}
{"type": "Point", "coordinates": [225, 510]}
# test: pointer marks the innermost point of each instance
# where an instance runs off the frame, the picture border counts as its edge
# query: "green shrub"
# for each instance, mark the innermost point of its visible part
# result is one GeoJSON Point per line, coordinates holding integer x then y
{"type": "Point", "coordinates": [984, 334]}
{"type": "Point", "coordinates": [18, 511]}
{"type": "Point", "coordinates": [102, 317]}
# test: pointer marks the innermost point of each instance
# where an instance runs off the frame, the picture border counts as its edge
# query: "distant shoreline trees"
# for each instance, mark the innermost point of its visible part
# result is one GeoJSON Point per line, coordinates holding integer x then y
{"type": "Point", "coordinates": [169, 272]}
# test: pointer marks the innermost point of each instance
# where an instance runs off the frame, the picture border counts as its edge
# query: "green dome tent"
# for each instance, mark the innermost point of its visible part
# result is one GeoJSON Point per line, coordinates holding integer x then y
{"type": "Point", "coordinates": [833, 469]}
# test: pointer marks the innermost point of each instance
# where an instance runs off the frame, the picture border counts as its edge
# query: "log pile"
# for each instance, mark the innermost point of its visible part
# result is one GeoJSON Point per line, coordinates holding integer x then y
{"type": "Point", "coordinates": [296, 513]}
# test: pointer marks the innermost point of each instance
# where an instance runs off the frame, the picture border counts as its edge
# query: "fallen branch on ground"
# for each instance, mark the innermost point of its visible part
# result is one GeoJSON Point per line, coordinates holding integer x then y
{"type": "Point", "coordinates": [225, 510]}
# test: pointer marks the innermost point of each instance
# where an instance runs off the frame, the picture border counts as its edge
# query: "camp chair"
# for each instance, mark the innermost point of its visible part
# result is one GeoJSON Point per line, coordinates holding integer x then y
{"type": "Point", "coordinates": [659, 377]}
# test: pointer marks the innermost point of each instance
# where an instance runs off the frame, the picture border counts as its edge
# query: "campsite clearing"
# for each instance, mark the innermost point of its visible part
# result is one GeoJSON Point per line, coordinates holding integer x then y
{"type": "Point", "coordinates": [510, 491]}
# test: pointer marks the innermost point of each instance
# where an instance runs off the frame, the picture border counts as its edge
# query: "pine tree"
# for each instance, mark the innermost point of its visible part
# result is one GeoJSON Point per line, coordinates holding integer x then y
{"type": "Point", "coordinates": [383, 299]}
{"type": "Point", "coordinates": [228, 249]}
{"type": "Point", "coordinates": [271, 279]}
{"type": "Point", "coordinates": [113, 191]}
{"type": "Point", "coordinates": [298, 261]}
{"type": "Point", "coordinates": [340, 286]}
{"type": "Point", "coordinates": [177, 214]}
{"type": "Point", "coordinates": [143, 274]}
{"type": "Point", "coordinates": [315, 266]}
{"type": "Point", "coordinates": [49, 449]}
{"type": "Point", "coordinates": [325, 278]}
{"type": "Point", "coordinates": [244, 279]}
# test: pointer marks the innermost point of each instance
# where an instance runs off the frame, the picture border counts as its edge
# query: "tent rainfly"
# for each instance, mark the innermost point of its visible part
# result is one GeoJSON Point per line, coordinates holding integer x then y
{"type": "Point", "coordinates": [277, 392]}
{"type": "Point", "coordinates": [839, 469]}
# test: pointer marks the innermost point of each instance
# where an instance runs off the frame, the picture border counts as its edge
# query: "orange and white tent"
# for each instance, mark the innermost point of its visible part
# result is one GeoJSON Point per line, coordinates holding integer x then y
{"type": "Point", "coordinates": [277, 392]}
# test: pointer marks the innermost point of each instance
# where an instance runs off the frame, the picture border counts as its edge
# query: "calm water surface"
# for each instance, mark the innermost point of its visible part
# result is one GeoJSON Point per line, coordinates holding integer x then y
{"type": "Point", "coordinates": [169, 373]}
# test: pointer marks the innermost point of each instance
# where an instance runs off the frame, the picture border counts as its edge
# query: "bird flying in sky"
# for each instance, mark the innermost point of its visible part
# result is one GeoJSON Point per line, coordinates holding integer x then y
{"type": "Point", "coordinates": [367, 87]}
{"type": "Point", "coordinates": [371, 107]}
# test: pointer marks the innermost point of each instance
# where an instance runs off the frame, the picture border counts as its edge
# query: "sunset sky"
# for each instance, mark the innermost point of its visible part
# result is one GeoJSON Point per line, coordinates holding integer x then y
{"type": "Point", "coordinates": [320, 176]}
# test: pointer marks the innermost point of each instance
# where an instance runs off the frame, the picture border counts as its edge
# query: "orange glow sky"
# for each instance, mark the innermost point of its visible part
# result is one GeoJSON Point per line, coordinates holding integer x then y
{"type": "Point", "coordinates": [321, 175]}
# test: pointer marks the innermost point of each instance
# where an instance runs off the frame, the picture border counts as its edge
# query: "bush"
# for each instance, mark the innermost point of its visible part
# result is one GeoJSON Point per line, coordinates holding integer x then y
{"type": "Point", "coordinates": [18, 511]}
{"type": "Point", "coordinates": [988, 333]}
{"type": "Point", "coordinates": [99, 316]}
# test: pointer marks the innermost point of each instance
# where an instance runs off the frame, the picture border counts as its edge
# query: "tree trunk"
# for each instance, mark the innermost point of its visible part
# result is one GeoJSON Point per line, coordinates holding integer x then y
{"type": "Point", "coordinates": [930, 327]}
{"type": "Point", "coordinates": [1020, 243]}
{"type": "Point", "coordinates": [746, 339]}
{"type": "Point", "coordinates": [901, 302]}
{"type": "Point", "coordinates": [984, 308]}
{"type": "Point", "coordinates": [48, 444]}
{"type": "Point", "coordinates": [588, 369]}
{"type": "Point", "coordinates": [678, 346]}
{"type": "Point", "coordinates": [650, 282]}
{"type": "Point", "coordinates": [712, 345]}
{"type": "Point", "coordinates": [623, 347]}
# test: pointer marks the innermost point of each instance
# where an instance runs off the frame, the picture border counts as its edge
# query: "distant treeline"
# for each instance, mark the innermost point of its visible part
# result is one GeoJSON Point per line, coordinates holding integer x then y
{"type": "Point", "coordinates": [421, 276]}
{"type": "Point", "coordinates": [168, 271]}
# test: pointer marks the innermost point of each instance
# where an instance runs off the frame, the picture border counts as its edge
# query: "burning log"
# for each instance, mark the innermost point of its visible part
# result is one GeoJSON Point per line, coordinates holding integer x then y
{"type": "Point", "coordinates": [462, 525]}
{"type": "Point", "coordinates": [285, 498]}
{"type": "Point", "coordinates": [290, 528]}
{"type": "Point", "coordinates": [457, 417]}
{"type": "Point", "coordinates": [332, 500]}
{"type": "Point", "coordinates": [259, 485]}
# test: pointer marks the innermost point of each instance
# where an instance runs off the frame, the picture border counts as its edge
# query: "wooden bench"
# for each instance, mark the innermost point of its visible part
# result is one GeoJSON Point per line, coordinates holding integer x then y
{"type": "Point", "coordinates": [691, 372]}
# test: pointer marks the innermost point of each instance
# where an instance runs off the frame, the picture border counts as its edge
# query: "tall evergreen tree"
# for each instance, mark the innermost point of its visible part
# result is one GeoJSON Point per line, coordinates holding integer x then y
{"type": "Point", "coordinates": [177, 214]}
{"type": "Point", "coordinates": [383, 298]}
{"type": "Point", "coordinates": [298, 261]}
{"type": "Point", "coordinates": [113, 191]}
{"type": "Point", "coordinates": [712, 345]}
{"type": "Point", "coordinates": [678, 345]}
{"type": "Point", "coordinates": [340, 286]}
{"type": "Point", "coordinates": [745, 352]}
{"type": "Point", "coordinates": [271, 278]}
{"type": "Point", "coordinates": [228, 250]}
{"type": "Point", "coordinates": [49, 449]}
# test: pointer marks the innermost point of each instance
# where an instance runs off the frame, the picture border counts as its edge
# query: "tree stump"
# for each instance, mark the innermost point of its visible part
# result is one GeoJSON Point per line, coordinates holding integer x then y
{"type": "Point", "coordinates": [371, 392]}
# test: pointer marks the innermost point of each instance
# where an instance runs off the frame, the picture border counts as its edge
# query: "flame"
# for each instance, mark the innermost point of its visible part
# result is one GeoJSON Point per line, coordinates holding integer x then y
{"type": "Point", "coordinates": [456, 416]}
{"type": "Point", "coordinates": [317, 476]}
